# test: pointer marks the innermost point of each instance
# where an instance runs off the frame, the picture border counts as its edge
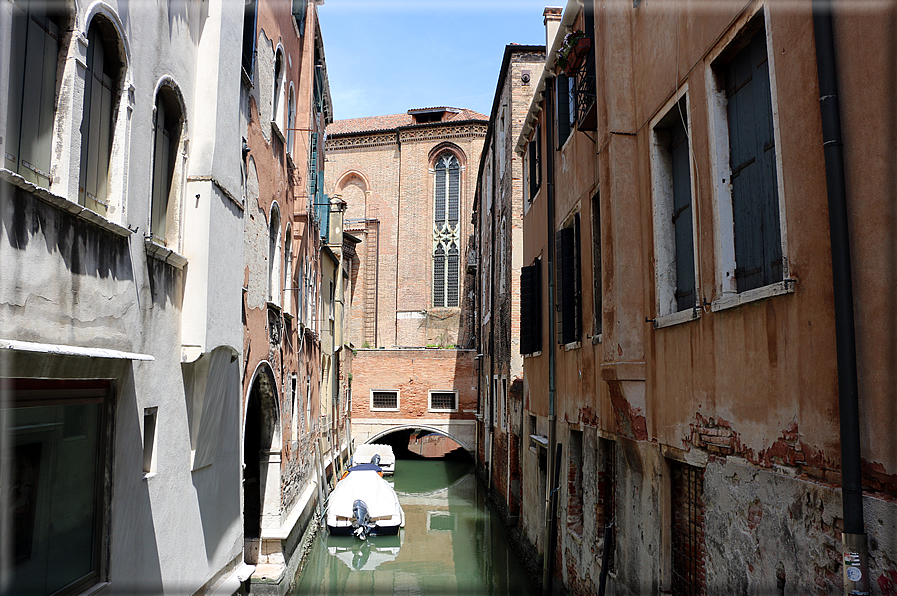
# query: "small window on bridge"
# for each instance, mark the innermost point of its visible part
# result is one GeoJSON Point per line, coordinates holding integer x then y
{"type": "Point", "coordinates": [384, 400]}
{"type": "Point", "coordinates": [444, 401]}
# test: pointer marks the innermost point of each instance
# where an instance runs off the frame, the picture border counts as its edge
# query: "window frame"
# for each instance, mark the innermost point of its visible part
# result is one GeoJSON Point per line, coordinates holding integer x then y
{"type": "Point", "coordinates": [667, 311]}
{"type": "Point", "coordinates": [169, 93]}
{"type": "Point", "coordinates": [569, 336]}
{"type": "Point", "coordinates": [446, 237]}
{"type": "Point", "coordinates": [278, 95]}
{"type": "Point", "coordinates": [727, 295]}
{"type": "Point", "coordinates": [28, 393]}
{"type": "Point", "coordinates": [430, 394]}
{"type": "Point", "coordinates": [397, 407]}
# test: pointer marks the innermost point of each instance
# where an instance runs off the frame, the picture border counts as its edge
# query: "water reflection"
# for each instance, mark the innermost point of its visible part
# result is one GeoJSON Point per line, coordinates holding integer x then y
{"type": "Point", "coordinates": [451, 543]}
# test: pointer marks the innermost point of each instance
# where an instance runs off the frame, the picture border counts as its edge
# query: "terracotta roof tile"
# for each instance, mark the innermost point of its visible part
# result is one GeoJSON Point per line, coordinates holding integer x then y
{"type": "Point", "coordinates": [394, 121]}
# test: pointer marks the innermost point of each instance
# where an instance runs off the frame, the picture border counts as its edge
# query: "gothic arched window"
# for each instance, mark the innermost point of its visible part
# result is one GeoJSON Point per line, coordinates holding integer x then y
{"type": "Point", "coordinates": [446, 230]}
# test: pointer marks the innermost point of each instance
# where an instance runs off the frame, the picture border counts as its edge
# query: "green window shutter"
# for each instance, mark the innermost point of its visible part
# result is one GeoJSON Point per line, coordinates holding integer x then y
{"type": "Point", "coordinates": [562, 117]}
{"type": "Point", "coordinates": [755, 201]}
{"type": "Point", "coordinates": [682, 212]}
{"type": "Point", "coordinates": [530, 309]}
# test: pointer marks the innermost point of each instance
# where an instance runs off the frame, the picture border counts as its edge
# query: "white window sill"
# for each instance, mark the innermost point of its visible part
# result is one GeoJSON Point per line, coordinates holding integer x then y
{"type": "Point", "coordinates": [441, 411]}
{"type": "Point", "coordinates": [676, 318]}
{"type": "Point", "coordinates": [533, 355]}
{"type": "Point", "coordinates": [161, 253]}
{"type": "Point", "coordinates": [733, 300]}
{"type": "Point", "coordinates": [384, 409]}
{"type": "Point", "coordinates": [276, 128]}
{"type": "Point", "coordinates": [596, 339]}
{"type": "Point", "coordinates": [64, 204]}
{"type": "Point", "coordinates": [148, 475]}
{"type": "Point", "coordinates": [575, 345]}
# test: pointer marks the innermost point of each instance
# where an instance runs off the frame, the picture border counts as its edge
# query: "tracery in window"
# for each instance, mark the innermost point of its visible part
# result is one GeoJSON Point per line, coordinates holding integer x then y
{"type": "Point", "coordinates": [446, 230]}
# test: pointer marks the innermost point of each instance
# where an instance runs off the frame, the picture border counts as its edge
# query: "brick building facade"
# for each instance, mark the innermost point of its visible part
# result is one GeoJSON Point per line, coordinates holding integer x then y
{"type": "Point", "coordinates": [408, 182]}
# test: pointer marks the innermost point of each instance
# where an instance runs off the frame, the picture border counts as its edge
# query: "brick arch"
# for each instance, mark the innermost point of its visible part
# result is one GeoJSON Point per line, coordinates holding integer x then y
{"type": "Point", "coordinates": [349, 176]}
{"type": "Point", "coordinates": [433, 429]}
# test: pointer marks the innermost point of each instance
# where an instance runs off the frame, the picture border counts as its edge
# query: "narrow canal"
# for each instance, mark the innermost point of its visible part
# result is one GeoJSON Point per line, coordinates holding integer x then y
{"type": "Point", "coordinates": [452, 543]}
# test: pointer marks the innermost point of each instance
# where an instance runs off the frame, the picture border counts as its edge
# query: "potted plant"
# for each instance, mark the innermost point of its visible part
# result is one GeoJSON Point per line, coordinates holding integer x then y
{"type": "Point", "coordinates": [573, 51]}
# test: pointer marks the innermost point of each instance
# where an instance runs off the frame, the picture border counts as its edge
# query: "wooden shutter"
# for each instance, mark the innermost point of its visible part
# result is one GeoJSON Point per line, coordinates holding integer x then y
{"type": "Point", "coordinates": [568, 283]}
{"type": "Point", "coordinates": [96, 125]}
{"type": "Point", "coordinates": [32, 93]}
{"type": "Point", "coordinates": [562, 93]}
{"type": "Point", "coordinates": [682, 212]}
{"type": "Point", "coordinates": [161, 172]}
{"type": "Point", "coordinates": [596, 262]}
{"type": "Point", "coordinates": [755, 201]}
{"type": "Point", "coordinates": [530, 309]}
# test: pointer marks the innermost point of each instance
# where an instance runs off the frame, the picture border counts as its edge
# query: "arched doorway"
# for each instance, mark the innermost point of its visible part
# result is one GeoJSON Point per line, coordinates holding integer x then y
{"type": "Point", "coordinates": [261, 461]}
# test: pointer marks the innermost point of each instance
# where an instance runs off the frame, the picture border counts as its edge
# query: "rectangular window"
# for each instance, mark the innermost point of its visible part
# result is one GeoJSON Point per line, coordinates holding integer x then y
{"type": "Point", "coordinates": [530, 308]}
{"type": "Point", "coordinates": [384, 400]}
{"type": "Point", "coordinates": [687, 483]}
{"type": "Point", "coordinates": [606, 506]}
{"type": "Point", "coordinates": [673, 213]}
{"type": "Point", "coordinates": [574, 484]}
{"type": "Point", "coordinates": [443, 401]}
{"type": "Point", "coordinates": [57, 467]}
{"type": "Point", "coordinates": [597, 287]}
{"type": "Point", "coordinates": [534, 159]}
{"type": "Point", "coordinates": [751, 235]}
{"type": "Point", "coordinates": [569, 309]}
{"type": "Point", "coordinates": [294, 413]}
{"type": "Point", "coordinates": [149, 440]}
{"type": "Point", "coordinates": [562, 105]}
{"type": "Point", "coordinates": [249, 37]}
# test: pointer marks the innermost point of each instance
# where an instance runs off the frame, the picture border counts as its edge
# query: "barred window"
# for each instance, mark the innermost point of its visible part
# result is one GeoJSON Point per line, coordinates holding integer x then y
{"type": "Point", "coordinates": [446, 231]}
{"type": "Point", "coordinates": [385, 400]}
{"type": "Point", "coordinates": [444, 400]}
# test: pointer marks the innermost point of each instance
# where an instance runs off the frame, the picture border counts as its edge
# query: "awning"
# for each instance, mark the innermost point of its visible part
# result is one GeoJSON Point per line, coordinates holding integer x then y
{"type": "Point", "coordinates": [58, 350]}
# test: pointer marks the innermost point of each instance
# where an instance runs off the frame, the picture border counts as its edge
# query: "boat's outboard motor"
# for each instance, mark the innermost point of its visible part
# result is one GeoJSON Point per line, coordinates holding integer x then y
{"type": "Point", "coordinates": [376, 459]}
{"type": "Point", "coordinates": [361, 523]}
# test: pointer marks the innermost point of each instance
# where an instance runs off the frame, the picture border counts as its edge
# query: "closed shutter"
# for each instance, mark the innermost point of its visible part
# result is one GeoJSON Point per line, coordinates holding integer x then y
{"type": "Point", "coordinates": [530, 309]}
{"type": "Point", "coordinates": [682, 212]}
{"type": "Point", "coordinates": [161, 173]}
{"type": "Point", "coordinates": [454, 190]}
{"type": "Point", "coordinates": [439, 199]}
{"type": "Point", "coordinates": [533, 168]}
{"type": "Point", "coordinates": [452, 277]}
{"type": "Point", "coordinates": [755, 201]}
{"type": "Point", "coordinates": [96, 125]}
{"type": "Point", "coordinates": [562, 88]}
{"type": "Point", "coordinates": [568, 283]}
{"type": "Point", "coordinates": [32, 93]}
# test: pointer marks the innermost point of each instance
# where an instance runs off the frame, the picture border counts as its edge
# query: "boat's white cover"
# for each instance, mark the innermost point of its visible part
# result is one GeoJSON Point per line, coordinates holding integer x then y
{"type": "Point", "coordinates": [364, 453]}
{"type": "Point", "coordinates": [371, 488]}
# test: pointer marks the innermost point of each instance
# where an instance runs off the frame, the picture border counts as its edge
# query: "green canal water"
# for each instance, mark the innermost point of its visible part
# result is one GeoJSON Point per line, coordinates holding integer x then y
{"type": "Point", "coordinates": [452, 544]}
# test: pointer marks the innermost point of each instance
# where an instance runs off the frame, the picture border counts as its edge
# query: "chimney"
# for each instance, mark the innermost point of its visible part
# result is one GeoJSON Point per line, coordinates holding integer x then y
{"type": "Point", "coordinates": [552, 16]}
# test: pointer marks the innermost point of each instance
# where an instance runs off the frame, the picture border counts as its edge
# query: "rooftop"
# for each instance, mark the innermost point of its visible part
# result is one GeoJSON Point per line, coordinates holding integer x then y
{"type": "Point", "coordinates": [414, 117]}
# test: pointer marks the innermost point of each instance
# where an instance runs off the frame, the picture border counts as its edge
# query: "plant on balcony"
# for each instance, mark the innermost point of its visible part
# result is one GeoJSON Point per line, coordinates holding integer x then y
{"type": "Point", "coordinates": [573, 51]}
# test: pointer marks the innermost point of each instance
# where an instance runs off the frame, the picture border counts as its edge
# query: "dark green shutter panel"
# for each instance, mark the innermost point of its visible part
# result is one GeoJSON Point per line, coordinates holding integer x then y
{"type": "Point", "coordinates": [530, 309]}
{"type": "Point", "coordinates": [533, 168]}
{"type": "Point", "coordinates": [562, 92]}
{"type": "Point", "coordinates": [568, 323]}
{"type": "Point", "coordinates": [755, 200]}
{"type": "Point", "coordinates": [682, 213]}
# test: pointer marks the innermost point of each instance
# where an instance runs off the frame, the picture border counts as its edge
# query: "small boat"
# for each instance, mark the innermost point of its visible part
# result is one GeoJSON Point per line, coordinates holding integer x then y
{"type": "Point", "coordinates": [364, 453]}
{"type": "Point", "coordinates": [364, 504]}
{"type": "Point", "coordinates": [366, 555]}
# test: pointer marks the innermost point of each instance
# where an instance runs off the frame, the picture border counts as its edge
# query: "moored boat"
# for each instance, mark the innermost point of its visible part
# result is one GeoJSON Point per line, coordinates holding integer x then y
{"type": "Point", "coordinates": [364, 453]}
{"type": "Point", "coordinates": [364, 504]}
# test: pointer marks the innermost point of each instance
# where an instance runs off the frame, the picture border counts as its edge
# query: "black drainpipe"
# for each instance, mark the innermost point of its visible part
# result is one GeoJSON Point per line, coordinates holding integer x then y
{"type": "Point", "coordinates": [856, 568]}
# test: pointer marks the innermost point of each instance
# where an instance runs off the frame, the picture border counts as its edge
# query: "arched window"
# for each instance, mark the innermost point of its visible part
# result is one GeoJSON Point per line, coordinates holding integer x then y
{"type": "Point", "coordinates": [291, 121]}
{"type": "Point", "coordinates": [37, 28]}
{"type": "Point", "coordinates": [101, 85]}
{"type": "Point", "coordinates": [274, 257]}
{"type": "Point", "coordinates": [166, 137]}
{"type": "Point", "coordinates": [446, 230]}
{"type": "Point", "coordinates": [277, 97]}
{"type": "Point", "coordinates": [288, 270]}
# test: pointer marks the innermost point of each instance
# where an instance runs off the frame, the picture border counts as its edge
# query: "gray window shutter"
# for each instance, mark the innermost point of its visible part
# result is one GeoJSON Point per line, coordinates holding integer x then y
{"type": "Point", "coordinates": [568, 283]}
{"type": "Point", "coordinates": [755, 201]}
{"type": "Point", "coordinates": [682, 212]}
{"type": "Point", "coordinates": [96, 125]}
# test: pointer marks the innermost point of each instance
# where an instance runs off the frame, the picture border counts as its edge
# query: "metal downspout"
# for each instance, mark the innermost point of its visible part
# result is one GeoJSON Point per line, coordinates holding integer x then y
{"type": "Point", "coordinates": [856, 568]}
{"type": "Point", "coordinates": [552, 332]}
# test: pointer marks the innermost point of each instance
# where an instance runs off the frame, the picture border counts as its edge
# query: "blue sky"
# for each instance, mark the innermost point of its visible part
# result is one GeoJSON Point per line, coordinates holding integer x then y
{"type": "Point", "coordinates": [389, 56]}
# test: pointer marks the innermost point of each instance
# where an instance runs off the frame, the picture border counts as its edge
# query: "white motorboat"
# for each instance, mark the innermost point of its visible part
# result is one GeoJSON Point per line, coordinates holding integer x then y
{"type": "Point", "coordinates": [364, 504]}
{"type": "Point", "coordinates": [365, 453]}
